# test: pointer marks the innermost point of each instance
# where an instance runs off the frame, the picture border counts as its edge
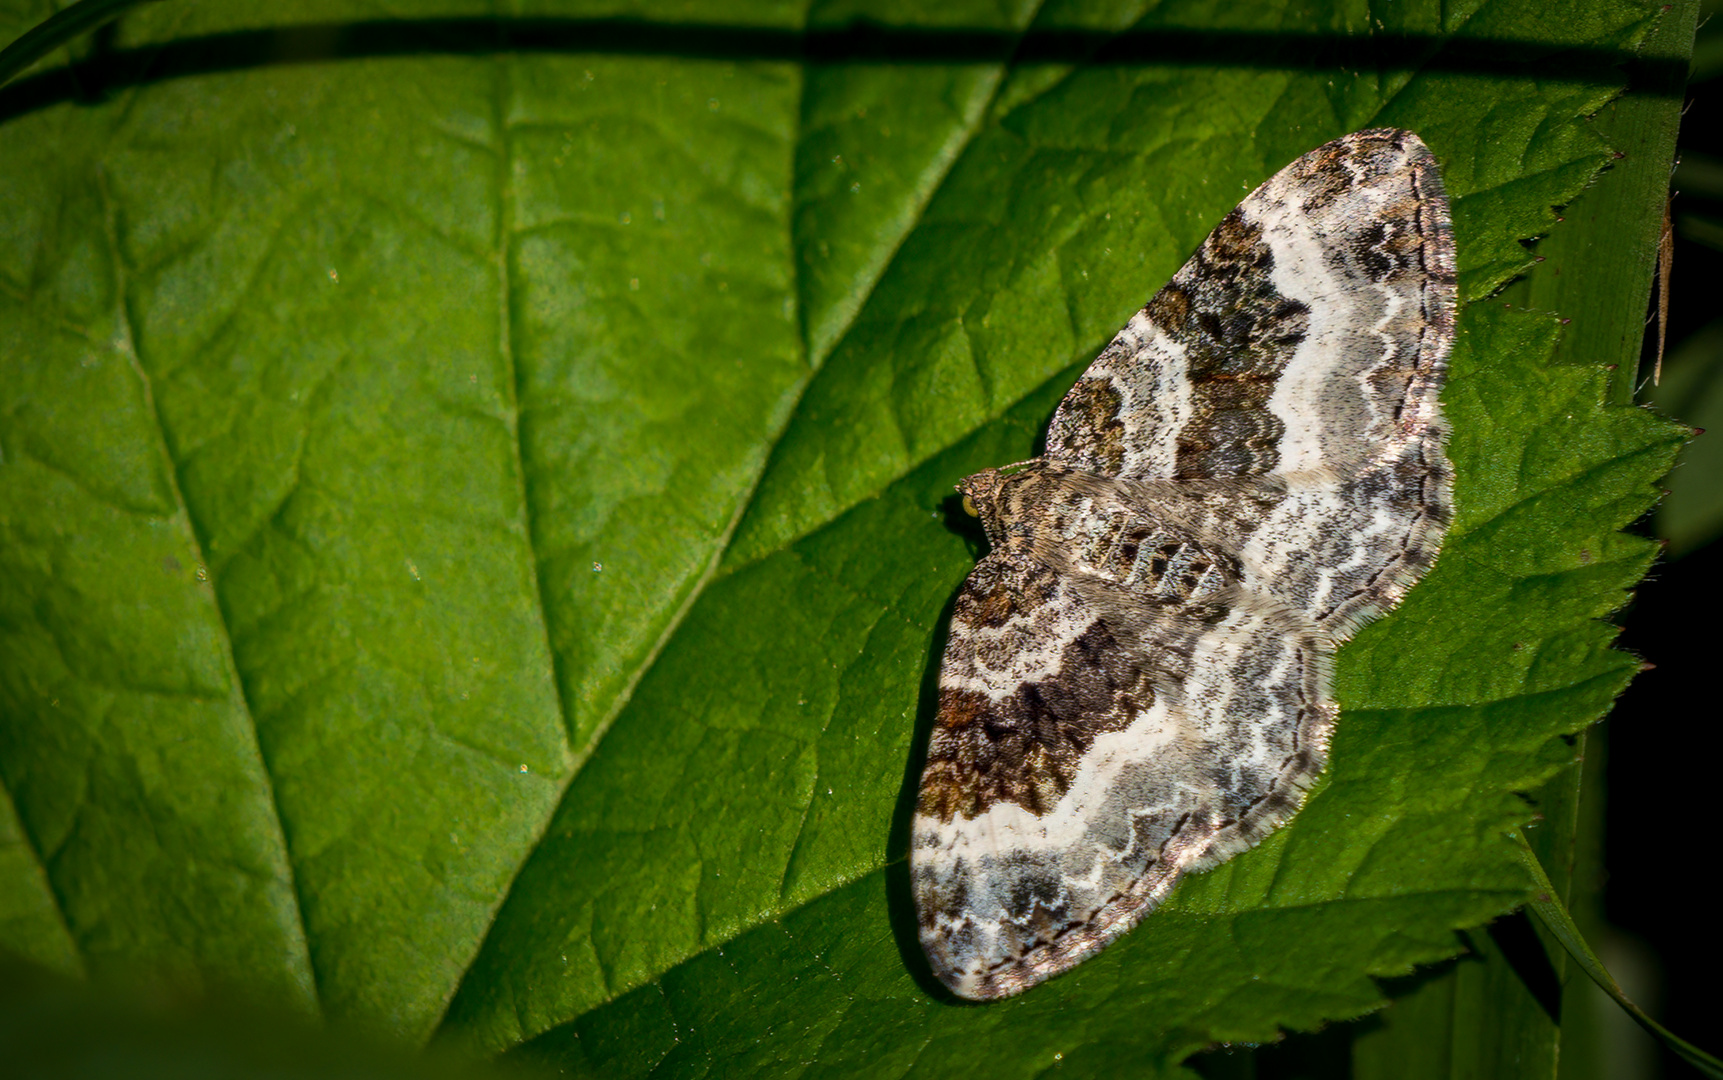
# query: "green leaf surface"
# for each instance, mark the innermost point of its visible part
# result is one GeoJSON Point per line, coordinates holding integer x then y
{"type": "Point", "coordinates": [473, 525]}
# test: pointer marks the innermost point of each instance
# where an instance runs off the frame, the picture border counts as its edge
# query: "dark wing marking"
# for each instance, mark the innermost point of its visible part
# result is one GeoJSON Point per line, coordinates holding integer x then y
{"type": "Point", "coordinates": [1151, 739]}
{"type": "Point", "coordinates": [1340, 268]}
{"type": "Point", "coordinates": [1297, 358]}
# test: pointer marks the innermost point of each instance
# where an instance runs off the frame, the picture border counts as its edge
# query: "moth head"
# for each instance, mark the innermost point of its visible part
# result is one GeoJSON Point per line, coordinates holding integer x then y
{"type": "Point", "coordinates": [980, 497]}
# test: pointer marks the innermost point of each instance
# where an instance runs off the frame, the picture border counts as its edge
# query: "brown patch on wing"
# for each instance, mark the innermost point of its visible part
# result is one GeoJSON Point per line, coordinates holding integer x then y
{"type": "Point", "coordinates": [1389, 251]}
{"type": "Point", "coordinates": [993, 600]}
{"type": "Point", "coordinates": [1090, 431]}
{"type": "Point", "coordinates": [1025, 748]}
{"type": "Point", "coordinates": [1239, 333]}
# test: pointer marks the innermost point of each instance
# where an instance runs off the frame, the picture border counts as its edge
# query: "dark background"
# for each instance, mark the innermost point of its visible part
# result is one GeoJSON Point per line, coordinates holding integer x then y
{"type": "Point", "coordinates": [1661, 742]}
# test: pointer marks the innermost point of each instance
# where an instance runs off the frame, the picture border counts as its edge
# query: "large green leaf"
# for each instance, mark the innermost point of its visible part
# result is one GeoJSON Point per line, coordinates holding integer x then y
{"type": "Point", "coordinates": [472, 523]}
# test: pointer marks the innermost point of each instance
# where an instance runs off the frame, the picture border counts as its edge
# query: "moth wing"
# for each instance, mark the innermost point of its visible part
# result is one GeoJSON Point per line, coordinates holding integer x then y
{"type": "Point", "coordinates": [1090, 749]}
{"type": "Point", "coordinates": [1300, 352]}
{"type": "Point", "coordinates": [1332, 284]}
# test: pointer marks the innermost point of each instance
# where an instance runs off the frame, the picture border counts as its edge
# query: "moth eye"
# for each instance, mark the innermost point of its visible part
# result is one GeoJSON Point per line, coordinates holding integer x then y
{"type": "Point", "coordinates": [969, 507]}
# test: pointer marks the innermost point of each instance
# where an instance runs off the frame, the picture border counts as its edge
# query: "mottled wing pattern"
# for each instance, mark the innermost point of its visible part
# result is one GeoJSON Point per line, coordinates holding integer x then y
{"type": "Point", "coordinates": [1299, 354]}
{"type": "Point", "coordinates": [1092, 749]}
{"type": "Point", "coordinates": [1137, 679]}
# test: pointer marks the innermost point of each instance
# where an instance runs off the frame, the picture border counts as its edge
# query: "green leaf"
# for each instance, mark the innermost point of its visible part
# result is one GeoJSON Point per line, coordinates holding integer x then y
{"type": "Point", "coordinates": [473, 535]}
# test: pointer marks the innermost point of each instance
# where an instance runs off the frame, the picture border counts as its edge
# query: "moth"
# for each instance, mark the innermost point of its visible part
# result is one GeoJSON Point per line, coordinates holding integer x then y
{"type": "Point", "coordinates": [1137, 683]}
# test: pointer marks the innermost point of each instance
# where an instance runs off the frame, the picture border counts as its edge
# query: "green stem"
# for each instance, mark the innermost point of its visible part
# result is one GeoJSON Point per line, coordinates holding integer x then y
{"type": "Point", "coordinates": [1549, 911]}
{"type": "Point", "coordinates": [57, 30]}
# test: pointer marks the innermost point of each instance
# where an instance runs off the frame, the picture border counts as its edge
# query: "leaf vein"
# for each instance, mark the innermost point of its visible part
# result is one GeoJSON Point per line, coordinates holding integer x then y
{"type": "Point", "coordinates": [240, 696]}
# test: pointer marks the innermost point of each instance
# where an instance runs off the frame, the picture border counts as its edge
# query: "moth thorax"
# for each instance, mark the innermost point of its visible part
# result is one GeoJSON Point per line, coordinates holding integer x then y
{"type": "Point", "coordinates": [1138, 551]}
{"type": "Point", "coordinates": [1182, 570]}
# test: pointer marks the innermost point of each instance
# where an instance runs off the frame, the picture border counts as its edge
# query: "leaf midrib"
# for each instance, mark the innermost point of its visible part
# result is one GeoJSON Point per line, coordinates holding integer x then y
{"type": "Point", "coordinates": [240, 697]}
{"type": "Point", "coordinates": [814, 367]}
{"type": "Point", "coordinates": [581, 755]}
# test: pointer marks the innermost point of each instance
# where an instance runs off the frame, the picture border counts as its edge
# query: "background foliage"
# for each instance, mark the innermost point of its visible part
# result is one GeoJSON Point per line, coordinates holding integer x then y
{"type": "Point", "coordinates": [475, 523]}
